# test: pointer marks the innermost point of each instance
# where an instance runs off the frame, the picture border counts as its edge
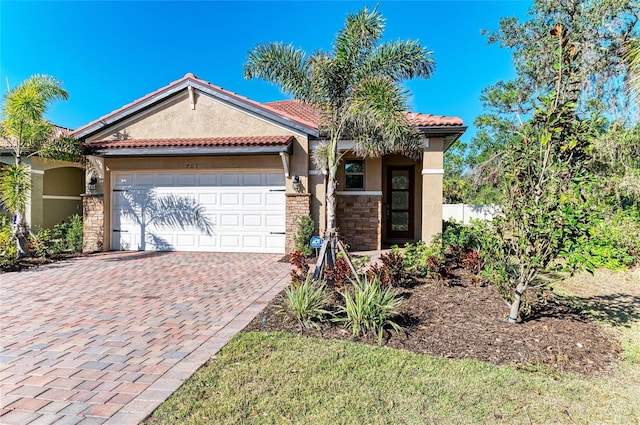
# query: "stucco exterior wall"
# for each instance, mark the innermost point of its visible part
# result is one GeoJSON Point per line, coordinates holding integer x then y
{"type": "Point", "coordinates": [432, 177]}
{"type": "Point", "coordinates": [174, 118]}
{"type": "Point", "coordinates": [56, 187]}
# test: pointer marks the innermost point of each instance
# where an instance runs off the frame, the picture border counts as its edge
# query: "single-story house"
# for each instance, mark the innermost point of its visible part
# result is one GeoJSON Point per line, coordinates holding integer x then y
{"type": "Point", "coordinates": [56, 186]}
{"type": "Point", "coordinates": [246, 168]}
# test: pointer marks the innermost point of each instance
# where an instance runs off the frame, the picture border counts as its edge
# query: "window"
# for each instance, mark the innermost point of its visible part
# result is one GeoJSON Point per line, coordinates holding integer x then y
{"type": "Point", "coordinates": [354, 174]}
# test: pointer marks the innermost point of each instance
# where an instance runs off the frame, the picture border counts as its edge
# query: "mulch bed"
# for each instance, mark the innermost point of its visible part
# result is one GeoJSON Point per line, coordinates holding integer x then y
{"type": "Point", "coordinates": [459, 319]}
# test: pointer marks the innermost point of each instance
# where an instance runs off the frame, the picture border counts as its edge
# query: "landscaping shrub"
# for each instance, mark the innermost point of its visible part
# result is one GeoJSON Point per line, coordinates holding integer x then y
{"type": "Point", "coordinates": [306, 302]}
{"type": "Point", "coordinates": [300, 269]}
{"type": "Point", "coordinates": [392, 271]}
{"type": "Point", "coordinates": [339, 274]}
{"type": "Point", "coordinates": [8, 248]}
{"type": "Point", "coordinates": [423, 260]}
{"type": "Point", "coordinates": [369, 308]}
{"type": "Point", "coordinates": [304, 232]}
{"type": "Point", "coordinates": [459, 240]}
{"type": "Point", "coordinates": [65, 237]}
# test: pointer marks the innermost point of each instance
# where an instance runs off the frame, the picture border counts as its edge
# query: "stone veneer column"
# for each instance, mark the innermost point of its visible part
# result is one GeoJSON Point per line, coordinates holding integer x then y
{"type": "Point", "coordinates": [297, 205]}
{"type": "Point", "coordinates": [360, 221]}
{"type": "Point", "coordinates": [93, 222]}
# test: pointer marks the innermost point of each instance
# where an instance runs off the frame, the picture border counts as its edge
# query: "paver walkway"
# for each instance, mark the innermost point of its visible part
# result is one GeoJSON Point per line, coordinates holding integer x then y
{"type": "Point", "coordinates": [108, 337]}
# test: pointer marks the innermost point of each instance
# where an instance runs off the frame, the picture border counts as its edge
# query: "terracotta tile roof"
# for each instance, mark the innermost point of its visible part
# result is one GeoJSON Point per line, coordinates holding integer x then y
{"type": "Point", "coordinates": [428, 120]}
{"type": "Point", "coordinates": [297, 108]}
{"type": "Point", "coordinates": [189, 76]}
{"type": "Point", "coordinates": [307, 112]}
{"type": "Point", "coordinates": [56, 131]}
{"type": "Point", "coordinates": [190, 142]}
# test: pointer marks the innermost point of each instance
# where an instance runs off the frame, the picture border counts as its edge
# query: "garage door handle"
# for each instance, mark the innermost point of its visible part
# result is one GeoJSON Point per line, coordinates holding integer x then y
{"type": "Point", "coordinates": [277, 233]}
{"type": "Point", "coordinates": [120, 231]}
{"type": "Point", "coordinates": [277, 190]}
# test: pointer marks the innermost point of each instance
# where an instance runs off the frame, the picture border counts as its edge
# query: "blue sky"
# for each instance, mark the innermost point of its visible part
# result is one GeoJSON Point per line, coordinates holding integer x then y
{"type": "Point", "coordinates": [108, 54]}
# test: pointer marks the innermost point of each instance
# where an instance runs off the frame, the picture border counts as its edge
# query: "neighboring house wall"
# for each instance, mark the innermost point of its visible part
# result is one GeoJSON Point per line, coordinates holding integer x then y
{"type": "Point", "coordinates": [61, 194]}
{"type": "Point", "coordinates": [56, 187]}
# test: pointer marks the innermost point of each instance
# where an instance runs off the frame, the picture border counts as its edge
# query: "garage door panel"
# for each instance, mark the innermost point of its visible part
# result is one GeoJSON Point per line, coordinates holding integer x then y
{"type": "Point", "coordinates": [165, 180]}
{"type": "Point", "coordinates": [274, 221]}
{"type": "Point", "coordinates": [186, 180]}
{"type": "Point", "coordinates": [275, 199]}
{"type": "Point", "coordinates": [230, 179]}
{"type": "Point", "coordinates": [274, 243]}
{"type": "Point", "coordinates": [229, 220]}
{"type": "Point", "coordinates": [251, 220]}
{"type": "Point", "coordinates": [207, 179]}
{"type": "Point", "coordinates": [274, 179]}
{"type": "Point", "coordinates": [229, 199]}
{"type": "Point", "coordinates": [144, 180]}
{"type": "Point", "coordinates": [246, 211]}
{"type": "Point", "coordinates": [252, 179]}
{"type": "Point", "coordinates": [252, 199]}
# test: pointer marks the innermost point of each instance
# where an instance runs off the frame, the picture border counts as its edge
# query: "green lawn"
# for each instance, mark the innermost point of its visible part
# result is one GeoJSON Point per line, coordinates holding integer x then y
{"type": "Point", "coordinates": [281, 379]}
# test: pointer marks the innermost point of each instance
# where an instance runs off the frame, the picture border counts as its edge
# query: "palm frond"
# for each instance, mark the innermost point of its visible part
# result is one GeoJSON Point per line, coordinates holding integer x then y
{"type": "Point", "coordinates": [15, 187]}
{"type": "Point", "coordinates": [282, 65]}
{"type": "Point", "coordinates": [633, 73]}
{"type": "Point", "coordinates": [377, 113]}
{"type": "Point", "coordinates": [399, 60]}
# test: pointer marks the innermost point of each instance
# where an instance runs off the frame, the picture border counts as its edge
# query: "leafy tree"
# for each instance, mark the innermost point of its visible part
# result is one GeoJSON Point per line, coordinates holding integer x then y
{"type": "Point", "coordinates": [356, 87]}
{"type": "Point", "coordinates": [23, 128]}
{"type": "Point", "coordinates": [546, 181]}
{"type": "Point", "coordinates": [601, 33]}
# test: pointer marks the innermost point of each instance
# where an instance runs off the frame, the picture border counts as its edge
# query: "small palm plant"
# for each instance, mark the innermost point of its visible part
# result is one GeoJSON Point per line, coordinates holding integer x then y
{"type": "Point", "coordinates": [306, 302]}
{"type": "Point", "coordinates": [370, 308]}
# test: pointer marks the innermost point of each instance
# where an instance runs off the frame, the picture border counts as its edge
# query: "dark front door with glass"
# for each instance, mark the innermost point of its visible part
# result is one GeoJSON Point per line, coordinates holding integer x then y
{"type": "Point", "coordinates": [399, 207]}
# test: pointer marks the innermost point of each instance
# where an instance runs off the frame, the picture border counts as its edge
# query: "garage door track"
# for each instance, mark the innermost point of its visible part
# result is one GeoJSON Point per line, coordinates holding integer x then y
{"type": "Point", "coordinates": [106, 338]}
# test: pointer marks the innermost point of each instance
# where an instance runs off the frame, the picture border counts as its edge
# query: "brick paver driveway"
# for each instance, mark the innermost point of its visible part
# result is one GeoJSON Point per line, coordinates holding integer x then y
{"type": "Point", "coordinates": [107, 338]}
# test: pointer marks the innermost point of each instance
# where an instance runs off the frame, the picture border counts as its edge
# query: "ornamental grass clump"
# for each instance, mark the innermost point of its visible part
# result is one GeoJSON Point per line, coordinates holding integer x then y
{"type": "Point", "coordinates": [369, 308]}
{"type": "Point", "coordinates": [306, 302]}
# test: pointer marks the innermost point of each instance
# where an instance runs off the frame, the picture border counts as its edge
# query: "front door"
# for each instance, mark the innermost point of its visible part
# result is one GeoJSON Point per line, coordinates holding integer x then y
{"type": "Point", "coordinates": [399, 208]}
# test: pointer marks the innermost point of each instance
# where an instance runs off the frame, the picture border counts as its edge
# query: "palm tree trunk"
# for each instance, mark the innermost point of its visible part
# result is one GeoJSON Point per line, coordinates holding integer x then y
{"type": "Point", "coordinates": [20, 232]}
{"type": "Point", "coordinates": [332, 184]}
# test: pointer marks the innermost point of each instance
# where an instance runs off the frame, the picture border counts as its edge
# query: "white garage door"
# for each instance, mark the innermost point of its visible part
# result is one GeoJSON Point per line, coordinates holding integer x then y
{"type": "Point", "coordinates": [198, 211]}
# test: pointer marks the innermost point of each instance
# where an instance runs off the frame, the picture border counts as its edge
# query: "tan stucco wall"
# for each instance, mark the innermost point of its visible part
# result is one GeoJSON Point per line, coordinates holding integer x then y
{"type": "Point", "coordinates": [372, 173]}
{"type": "Point", "coordinates": [432, 161]}
{"type": "Point", "coordinates": [59, 210]}
{"type": "Point", "coordinates": [176, 119]}
{"type": "Point", "coordinates": [35, 206]}
{"type": "Point", "coordinates": [51, 177]}
{"type": "Point", "coordinates": [64, 182]}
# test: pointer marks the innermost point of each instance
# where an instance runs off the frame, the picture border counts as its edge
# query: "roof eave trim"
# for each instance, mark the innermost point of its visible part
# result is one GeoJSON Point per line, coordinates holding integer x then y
{"type": "Point", "coordinates": [193, 151]}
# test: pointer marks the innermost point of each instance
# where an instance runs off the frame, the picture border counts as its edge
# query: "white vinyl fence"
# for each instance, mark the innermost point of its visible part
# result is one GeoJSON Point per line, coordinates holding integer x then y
{"type": "Point", "coordinates": [463, 213]}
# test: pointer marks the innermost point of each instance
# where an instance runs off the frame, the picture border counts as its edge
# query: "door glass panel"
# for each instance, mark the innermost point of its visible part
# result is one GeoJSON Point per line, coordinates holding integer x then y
{"type": "Point", "coordinates": [400, 200]}
{"type": "Point", "coordinates": [400, 221]}
{"type": "Point", "coordinates": [400, 180]}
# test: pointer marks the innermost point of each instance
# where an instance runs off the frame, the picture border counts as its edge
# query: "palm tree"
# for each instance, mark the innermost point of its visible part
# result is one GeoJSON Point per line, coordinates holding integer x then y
{"type": "Point", "coordinates": [633, 61]}
{"type": "Point", "coordinates": [23, 127]}
{"type": "Point", "coordinates": [356, 88]}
